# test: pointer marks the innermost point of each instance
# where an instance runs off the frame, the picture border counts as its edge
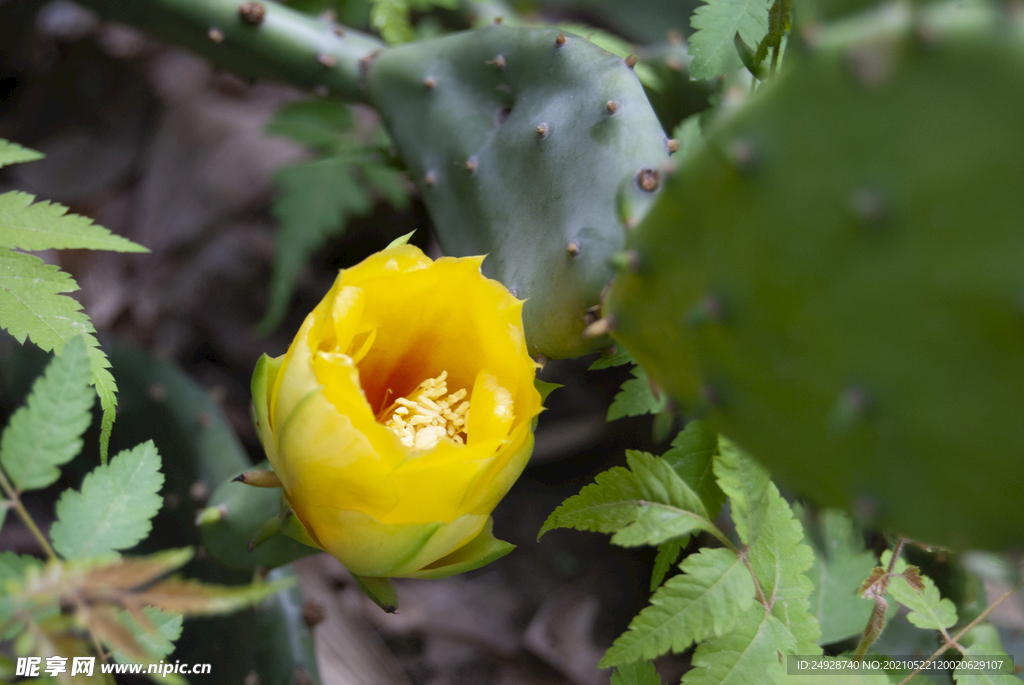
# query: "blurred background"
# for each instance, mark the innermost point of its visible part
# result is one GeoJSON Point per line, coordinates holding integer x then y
{"type": "Point", "coordinates": [158, 146]}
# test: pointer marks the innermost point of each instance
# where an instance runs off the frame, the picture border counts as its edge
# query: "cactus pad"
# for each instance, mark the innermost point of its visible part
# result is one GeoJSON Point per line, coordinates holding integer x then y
{"type": "Point", "coordinates": [835, 277]}
{"type": "Point", "coordinates": [528, 146]}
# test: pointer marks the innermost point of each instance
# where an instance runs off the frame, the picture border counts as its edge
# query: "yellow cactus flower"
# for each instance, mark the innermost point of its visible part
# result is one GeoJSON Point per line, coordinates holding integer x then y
{"type": "Point", "coordinates": [401, 415]}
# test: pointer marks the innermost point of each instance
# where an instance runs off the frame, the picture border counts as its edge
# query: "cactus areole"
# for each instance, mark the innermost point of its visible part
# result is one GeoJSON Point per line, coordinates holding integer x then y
{"type": "Point", "coordinates": [867, 256]}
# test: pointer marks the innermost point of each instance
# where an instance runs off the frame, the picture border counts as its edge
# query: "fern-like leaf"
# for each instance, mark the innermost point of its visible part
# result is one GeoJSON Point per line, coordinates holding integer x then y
{"type": "Point", "coordinates": [714, 589]}
{"type": "Point", "coordinates": [47, 432]}
{"type": "Point", "coordinates": [840, 566]}
{"type": "Point", "coordinates": [748, 655]}
{"type": "Point", "coordinates": [716, 24]}
{"type": "Point", "coordinates": [668, 508]}
{"type": "Point", "coordinates": [605, 506]}
{"type": "Point", "coordinates": [779, 560]}
{"type": "Point", "coordinates": [668, 553]}
{"type": "Point", "coordinates": [12, 153]}
{"type": "Point", "coordinates": [33, 305]}
{"type": "Point", "coordinates": [114, 507]}
{"type": "Point", "coordinates": [646, 505]}
{"type": "Point", "coordinates": [640, 673]}
{"type": "Point", "coordinates": [29, 225]}
{"type": "Point", "coordinates": [928, 609]}
{"type": "Point", "coordinates": [692, 456]}
{"type": "Point", "coordinates": [747, 485]}
{"type": "Point", "coordinates": [315, 201]}
{"type": "Point", "coordinates": [635, 398]}
{"type": "Point", "coordinates": [983, 641]}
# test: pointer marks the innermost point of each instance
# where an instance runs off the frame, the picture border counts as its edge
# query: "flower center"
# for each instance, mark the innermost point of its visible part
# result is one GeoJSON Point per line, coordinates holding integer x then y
{"type": "Point", "coordinates": [426, 415]}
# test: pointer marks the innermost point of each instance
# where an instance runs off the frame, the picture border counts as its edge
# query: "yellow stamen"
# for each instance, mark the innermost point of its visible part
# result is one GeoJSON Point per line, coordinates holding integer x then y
{"type": "Point", "coordinates": [426, 416]}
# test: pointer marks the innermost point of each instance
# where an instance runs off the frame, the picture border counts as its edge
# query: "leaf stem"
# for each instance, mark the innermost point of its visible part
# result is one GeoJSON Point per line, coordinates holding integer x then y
{"type": "Point", "coordinates": [956, 638]}
{"type": "Point", "coordinates": [15, 503]}
{"type": "Point", "coordinates": [876, 622]}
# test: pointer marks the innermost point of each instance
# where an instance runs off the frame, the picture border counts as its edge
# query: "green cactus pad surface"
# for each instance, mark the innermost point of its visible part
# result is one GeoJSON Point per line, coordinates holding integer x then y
{"type": "Point", "coordinates": [835, 277]}
{"type": "Point", "coordinates": [529, 148]}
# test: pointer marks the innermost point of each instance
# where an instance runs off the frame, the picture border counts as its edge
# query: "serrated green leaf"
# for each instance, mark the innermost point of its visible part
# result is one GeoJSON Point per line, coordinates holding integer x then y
{"type": "Point", "coordinates": [746, 656]}
{"type": "Point", "coordinates": [13, 567]}
{"type": "Point", "coordinates": [32, 306]}
{"type": "Point", "coordinates": [779, 559]}
{"type": "Point", "coordinates": [692, 457]}
{"type": "Point", "coordinates": [668, 553]}
{"type": "Point", "coordinates": [927, 609]}
{"type": "Point", "coordinates": [635, 398]}
{"type": "Point", "coordinates": [646, 506]}
{"type": "Point", "coordinates": [668, 507]}
{"type": "Point", "coordinates": [157, 639]}
{"type": "Point", "coordinates": [47, 432]}
{"type": "Point", "coordinates": [840, 566]}
{"type": "Point", "coordinates": [315, 201]}
{"type": "Point", "coordinates": [12, 153]}
{"type": "Point", "coordinates": [319, 124]}
{"type": "Point", "coordinates": [983, 641]}
{"type": "Point", "coordinates": [716, 24]}
{"type": "Point", "coordinates": [639, 673]}
{"type": "Point", "coordinates": [605, 506]}
{"type": "Point", "coordinates": [47, 225]}
{"type": "Point", "coordinates": [747, 485]}
{"type": "Point", "coordinates": [714, 589]}
{"type": "Point", "coordinates": [613, 356]}
{"type": "Point", "coordinates": [659, 482]}
{"type": "Point", "coordinates": [114, 507]}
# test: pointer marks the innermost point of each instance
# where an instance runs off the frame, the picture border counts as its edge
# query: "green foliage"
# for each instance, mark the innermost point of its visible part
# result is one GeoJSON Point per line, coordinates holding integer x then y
{"type": "Point", "coordinates": [747, 485]}
{"type": "Point", "coordinates": [706, 599]}
{"type": "Point", "coordinates": [15, 566]}
{"type": "Point", "coordinates": [46, 432]}
{"type": "Point", "coordinates": [12, 153]}
{"type": "Point", "coordinates": [983, 641]}
{"type": "Point", "coordinates": [840, 566]}
{"type": "Point", "coordinates": [28, 225]}
{"type": "Point", "coordinates": [157, 640]}
{"type": "Point", "coordinates": [391, 17]}
{"type": "Point", "coordinates": [614, 356]}
{"type": "Point", "coordinates": [716, 24]}
{"type": "Point", "coordinates": [316, 199]}
{"type": "Point", "coordinates": [639, 673]}
{"type": "Point", "coordinates": [636, 398]}
{"type": "Point", "coordinates": [668, 554]}
{"type": "Point", "coordinates": [692, 457]}
{"type": "Point", "coordinates": [114, 507]}
{"type": "Point", "coordinates": [33, 303]}
{"type": "Point", "coordinates": [747, 655]}
{"type": "Point", "coordinates": [927, 608]}
{"type": "Point", "coordinates": [742, 606]}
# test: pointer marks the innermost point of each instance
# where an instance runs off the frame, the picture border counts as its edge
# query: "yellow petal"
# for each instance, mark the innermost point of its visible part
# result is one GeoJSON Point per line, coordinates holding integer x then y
{"type": "Point", "coordinates": [326, 461]}
{"type": "Point", "coordinates": [434, 484]}
{"type": "Point", "coordinates": [491, 410]}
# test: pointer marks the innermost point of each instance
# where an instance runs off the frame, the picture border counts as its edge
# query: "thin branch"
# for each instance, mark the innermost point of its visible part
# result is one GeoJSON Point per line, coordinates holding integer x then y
{"type": "Point", "coordinates": [15, 502]}
{"type": "Point", "coordinates": [876, 622]}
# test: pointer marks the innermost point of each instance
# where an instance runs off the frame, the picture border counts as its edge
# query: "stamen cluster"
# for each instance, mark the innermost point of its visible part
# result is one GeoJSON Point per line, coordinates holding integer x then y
{"type": "Point", "coordinates": [426, 416]}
